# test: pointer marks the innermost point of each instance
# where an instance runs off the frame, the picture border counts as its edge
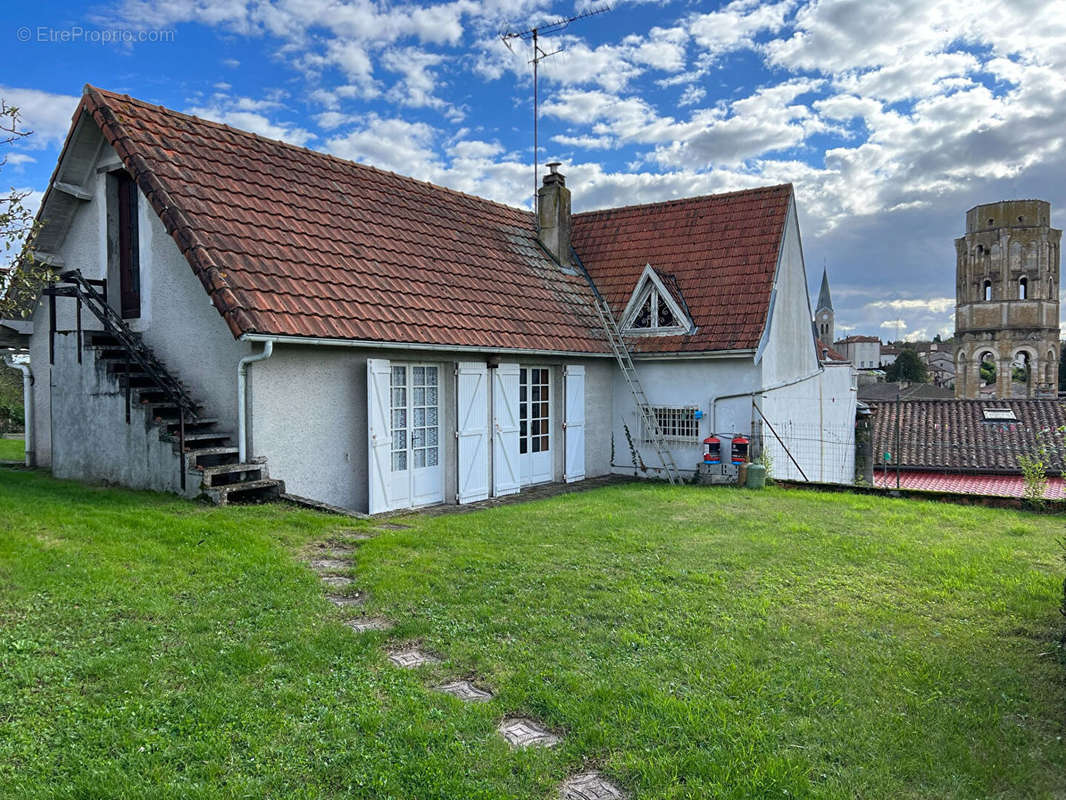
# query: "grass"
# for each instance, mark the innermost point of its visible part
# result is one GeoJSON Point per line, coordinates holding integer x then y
{"type": "Point", "coordinates": [12, 449]}
{"type": "Point", "coordinates": [690, 643]}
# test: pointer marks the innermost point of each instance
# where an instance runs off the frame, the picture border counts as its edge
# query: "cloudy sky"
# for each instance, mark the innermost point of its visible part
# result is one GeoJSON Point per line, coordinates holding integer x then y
{"type": "Point", "coordinates": [890, 117]}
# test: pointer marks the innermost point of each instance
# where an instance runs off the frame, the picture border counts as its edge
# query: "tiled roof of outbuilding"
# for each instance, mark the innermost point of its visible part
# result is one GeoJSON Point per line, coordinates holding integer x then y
{"type": "Point", "coordinates": [721, 249]}
{"type": "Point", "coordinates": [952, 435]}
{"type": "Point", "coordinates": [288, 241]}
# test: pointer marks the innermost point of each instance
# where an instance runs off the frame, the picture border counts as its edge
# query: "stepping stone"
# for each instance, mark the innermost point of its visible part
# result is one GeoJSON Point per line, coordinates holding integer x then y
{"type": "Point", "coordinates": [357, 536]}
{"type": "Point", "coordinates": [521, 732]}
{"type": "Point", "coordinates": [326, 564]}
{"type": "Point", "coordinates": [412, 658]}
{"type": "Point", "coordinates": [589, 786]}
{"type": "Point", "coordinates": [337, 581]}
{"type": "Point", "coordinates": [345, 600]}
{"type": "Point", "coordinates": [364, 624]}
{"type": "Point", "coordinates": [465, 690]}
{"type": "Point", "coordinates": [392, 526]}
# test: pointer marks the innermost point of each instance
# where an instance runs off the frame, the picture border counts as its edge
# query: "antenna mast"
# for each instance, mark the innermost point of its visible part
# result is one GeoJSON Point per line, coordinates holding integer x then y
{"type": "Point", "coordinates": [533, 35]}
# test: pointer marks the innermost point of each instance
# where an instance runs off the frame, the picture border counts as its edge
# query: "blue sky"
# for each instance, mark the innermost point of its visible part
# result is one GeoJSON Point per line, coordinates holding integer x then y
{"type": "Point", "coordinates": [891, 117]}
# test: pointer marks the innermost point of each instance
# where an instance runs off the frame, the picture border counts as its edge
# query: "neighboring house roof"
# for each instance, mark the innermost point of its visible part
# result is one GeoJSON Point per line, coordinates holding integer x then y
{"type": "Point", "coordinates": [830, 353]}
{"type": "Point", "coordinates": [887, 391]}
{"type": "Point", "coordinates": [824, 300]}
{"type": "Point", "coordinates": [959, 483]}
{"type": "Point", "coordinates": [954, 436]}
{"type": "Point", "coordinates": [858, 339]}
{"type": "Point", "coordinates": [288, 241]}
{"type": "Point", "coordinates": [722, 251]}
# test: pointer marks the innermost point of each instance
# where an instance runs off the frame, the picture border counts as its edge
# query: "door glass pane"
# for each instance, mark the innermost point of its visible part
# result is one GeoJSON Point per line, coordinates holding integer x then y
{"type": "Point", "coordinates": [399, 419]}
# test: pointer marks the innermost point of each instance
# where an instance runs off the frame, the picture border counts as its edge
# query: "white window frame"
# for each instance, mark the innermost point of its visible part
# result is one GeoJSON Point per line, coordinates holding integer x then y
{"type": "Point", "coordinates": [650, 284]}
{"type": "Point", "coordinates": [672, 421]}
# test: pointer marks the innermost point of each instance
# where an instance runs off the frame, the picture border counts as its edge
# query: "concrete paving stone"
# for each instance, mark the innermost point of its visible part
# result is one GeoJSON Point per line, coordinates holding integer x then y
{"type": "Point", "coordinates": [392, 526]}
{"type": "Point", "coordinates": [412, 657]}
{"type": "Point", "coordinates": [364, 624]}
{"type": "Point", "coordinates": [338, 581]}
{"type": "Point", "coordinates": [356, 536]}
{"type": "Point", "coordinates": [347, 600]}
{"type": "Point", "coordinates": [589, 786]}
{"type": "Point", "coordinates": [328, 564]}
{"type": "Point", "coordinates": [465, 690]}
{"type": "Point", "coordinates": [522, 732]}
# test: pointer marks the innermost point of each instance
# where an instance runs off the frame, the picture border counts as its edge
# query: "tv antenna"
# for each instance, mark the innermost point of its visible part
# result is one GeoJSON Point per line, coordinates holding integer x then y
{"type": "Point", "coordinates": [539, 54]}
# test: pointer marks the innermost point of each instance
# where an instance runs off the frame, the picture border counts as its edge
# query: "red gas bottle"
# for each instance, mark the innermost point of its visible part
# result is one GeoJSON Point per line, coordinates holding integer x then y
{"type": "Point", "coordinates": [712, 450]}
{"type": "Point", "coordinates": [740, 450]}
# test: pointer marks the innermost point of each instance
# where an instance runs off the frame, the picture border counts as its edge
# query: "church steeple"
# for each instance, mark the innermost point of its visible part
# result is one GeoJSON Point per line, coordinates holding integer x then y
{"type": "Point", "coordinates": [823, 313]}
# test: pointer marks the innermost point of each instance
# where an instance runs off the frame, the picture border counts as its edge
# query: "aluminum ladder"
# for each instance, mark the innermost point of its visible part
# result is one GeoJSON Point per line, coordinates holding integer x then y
{"type": "Point", "coordinates": [647, 416]}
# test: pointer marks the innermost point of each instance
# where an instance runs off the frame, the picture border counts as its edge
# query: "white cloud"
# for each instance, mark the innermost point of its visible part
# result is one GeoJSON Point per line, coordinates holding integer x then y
{"type": "Point", "coordinates": [46, 114]}
{"type": "Point", "coordinates": [237, 114]}
{"type": "Point", "coordinates": [933, 305]}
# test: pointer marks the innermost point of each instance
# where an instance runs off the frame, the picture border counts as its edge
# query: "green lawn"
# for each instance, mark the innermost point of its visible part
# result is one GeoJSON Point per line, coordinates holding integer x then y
{"type": "Point", "coordinates": [12, 449]}
{"type": "Point", "coordinates": [687, 642]}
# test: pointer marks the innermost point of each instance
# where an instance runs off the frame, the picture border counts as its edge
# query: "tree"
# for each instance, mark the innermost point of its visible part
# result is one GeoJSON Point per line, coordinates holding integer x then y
{"type": "Point", "coordinates": [22, 279]}
{"type": "Point", "coordinates": [907, 367]}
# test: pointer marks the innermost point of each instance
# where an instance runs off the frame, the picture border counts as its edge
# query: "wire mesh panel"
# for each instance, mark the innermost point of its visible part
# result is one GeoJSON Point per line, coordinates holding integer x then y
{"type": "Point", "coordinates": [807, 452]}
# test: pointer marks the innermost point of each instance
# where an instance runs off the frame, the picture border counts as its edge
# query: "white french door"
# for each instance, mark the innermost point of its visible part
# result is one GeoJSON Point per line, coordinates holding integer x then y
{"type": "Point", "coordinates": [416, 477]}
{"type": "Point", "coordinates": [535, 425]}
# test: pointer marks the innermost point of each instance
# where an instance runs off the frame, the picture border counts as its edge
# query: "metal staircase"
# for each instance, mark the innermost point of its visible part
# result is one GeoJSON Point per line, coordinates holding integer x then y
{"type": "Point", "coordinates": [196, 438]}
{"type": "Point", "coordinates": [629, 371]}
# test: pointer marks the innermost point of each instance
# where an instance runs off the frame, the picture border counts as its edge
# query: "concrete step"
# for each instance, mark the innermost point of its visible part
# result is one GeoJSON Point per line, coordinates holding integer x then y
{"type": "Point", "coordinates": [204, 439]}
{"type": "Point", "coordinates": [260, 491]}
{"type": "Point", "coordinates": [228, 474]}
{"type": "Point", "coordinates": [203, 457]}
{"type": "Point", "coordinates": [99, 339]}
{"type": "Point", "coordinates": [137, 380]}
{"type": "Point", "coordinates": [192, 424]}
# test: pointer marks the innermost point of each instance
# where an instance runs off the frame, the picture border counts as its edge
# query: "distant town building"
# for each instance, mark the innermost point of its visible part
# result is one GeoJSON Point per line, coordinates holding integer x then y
{"type": "Point", "coordinates": [1007, 302]}
{"type": "Point", "coordinates": [889, 352]}
{"type": "Point", "coordinates": [862, 351]}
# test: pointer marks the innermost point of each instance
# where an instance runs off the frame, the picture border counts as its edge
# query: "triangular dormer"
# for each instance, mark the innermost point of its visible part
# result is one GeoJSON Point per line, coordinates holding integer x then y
{"type": "Point", "coordinates": [655, 308]}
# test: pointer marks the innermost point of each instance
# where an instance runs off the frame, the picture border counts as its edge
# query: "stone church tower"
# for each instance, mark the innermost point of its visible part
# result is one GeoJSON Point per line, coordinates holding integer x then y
{"type": "Point", "coordinates": [823, 314]}
{"type": "Point", "coordinates": [1007, 298]}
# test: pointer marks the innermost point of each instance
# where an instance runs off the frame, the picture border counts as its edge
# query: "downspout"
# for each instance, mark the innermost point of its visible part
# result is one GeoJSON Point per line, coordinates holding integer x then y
{"type": "Point", "coordinates": [242, 396]}
{"type": "Point", "coordinates": [27, 408]}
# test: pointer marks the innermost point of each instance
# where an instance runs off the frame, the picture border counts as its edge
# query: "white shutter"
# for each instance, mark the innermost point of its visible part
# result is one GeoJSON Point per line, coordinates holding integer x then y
{"type": "Point", "coordinates": [472, 432]}
{"type": "Point", "coordinates": [505, 476]}
{"type": "Point", "coordinates": [379, 433]}
{"type": "Point", "coordinates": [574, 426]}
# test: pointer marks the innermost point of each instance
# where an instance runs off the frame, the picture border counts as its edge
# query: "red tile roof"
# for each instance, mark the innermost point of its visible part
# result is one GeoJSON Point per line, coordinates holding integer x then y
{"type": "Point", "coordinates": [830, 353]}
{"type": "Point", "coordinates": [982, 484]}
{"type": "Point", "coordinates": [288, 241]}
{"type": "Point", "coordinates": [721, 249]}
{"type": "Point", "coordinates": [953, 436]}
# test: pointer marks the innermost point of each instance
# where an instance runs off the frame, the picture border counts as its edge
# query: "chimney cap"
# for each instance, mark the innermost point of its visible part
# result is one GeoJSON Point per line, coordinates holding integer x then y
{"type": "Point", "coordinates": [554, 166]}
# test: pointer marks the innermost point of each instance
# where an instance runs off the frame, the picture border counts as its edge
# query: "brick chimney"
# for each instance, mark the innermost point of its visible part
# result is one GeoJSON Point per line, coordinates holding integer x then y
{"type": "Point", "coordinates": [553, 213]}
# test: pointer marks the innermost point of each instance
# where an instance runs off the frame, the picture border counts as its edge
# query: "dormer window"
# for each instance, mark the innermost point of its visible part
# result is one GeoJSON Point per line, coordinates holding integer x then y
{"type": "Point", "coordinates": [654, 309]}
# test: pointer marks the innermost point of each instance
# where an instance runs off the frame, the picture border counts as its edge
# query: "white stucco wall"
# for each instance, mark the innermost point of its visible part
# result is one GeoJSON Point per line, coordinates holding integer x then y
{"type": "Point", "coordinates": [308, 416]}
{"type": "Point", "coordinates": [789, 351]}
{"type": "Point", "coordinates": [684, 382]}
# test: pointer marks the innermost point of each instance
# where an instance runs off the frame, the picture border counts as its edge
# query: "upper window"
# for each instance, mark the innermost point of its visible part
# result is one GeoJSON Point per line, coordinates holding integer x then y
{"type": "Point", "coordinates": [653, 310]}
{"type": "Point", "coordinates": [988, 290]}
{"type": "Point", "coordinates": [123, 245]}
{"type": "Point", "coordinates": [1023, 288]}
